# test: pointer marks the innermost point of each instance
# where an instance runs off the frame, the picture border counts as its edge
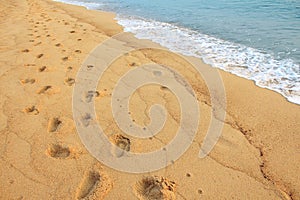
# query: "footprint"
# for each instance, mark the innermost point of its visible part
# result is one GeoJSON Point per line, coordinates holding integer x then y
{"type": "Point", "coordinates": [29, 65]}
{"type": "Point", "coordinates": [77, 51]}
{"type": "Point", "coordinates": [44, 89]}
{"type": "Point", "coordinates": [72, 31]}
{"type": "Point", "coordinates": [155, 188]}
{"type": "Point", "coordinates": [79, 39]}
{"type": "Point", "coordinates": [86, 119]}
{"type": "Point", "coordinates": [90, 95]}
{"type": "Point", "coordinates": [89, 67]}
{"type": "Point", "coordinates": [69, 81]}
{"type": "Point", "coordinates": [43, 68]}
{"type": "Point", "coordinates": [37, 45]}
{"type": "Point", "coordinates": [164, 88]}
{"type": "Point", "coordinates": [53, 124]}
{"type": "Point", "coordinates": [25, 50]}
{"type": "Point", "coordinates": [58, 45]}
{"type": "Point", "coordinates": [28, 80]}
{"type": "Point", "coordinates": [31, 110]}
{"type": "Point", "coordinates": [40, 55]}
{"type": "Point", "coordinates": [65, 58]}
{"type": "Point", "coordinates": [122, 145]}
{"type": "Point", "coordinates": [58, 151]}
{"type": "Point", "coordinates": [69, 69]}
{"type": "Point", "coordinates": [88, 185]}
{"type": "Point", "coordinates": [133, 64]}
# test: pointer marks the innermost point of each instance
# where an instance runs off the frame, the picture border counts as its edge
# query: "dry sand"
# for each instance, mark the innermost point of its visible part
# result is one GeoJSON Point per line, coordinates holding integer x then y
{"type": "Point", "coordinates": [43, 45]}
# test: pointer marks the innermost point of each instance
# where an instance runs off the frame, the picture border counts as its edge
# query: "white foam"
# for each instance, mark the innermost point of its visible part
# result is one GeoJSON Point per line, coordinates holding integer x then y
{"type": "Point", "coordinates": [88, 5]}
{"type": "Point", "coordinates": [282, 76]}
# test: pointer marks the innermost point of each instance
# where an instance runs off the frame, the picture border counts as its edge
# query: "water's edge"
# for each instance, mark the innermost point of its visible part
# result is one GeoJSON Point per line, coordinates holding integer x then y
{"type": "Point", "coordinates": [281, 76]}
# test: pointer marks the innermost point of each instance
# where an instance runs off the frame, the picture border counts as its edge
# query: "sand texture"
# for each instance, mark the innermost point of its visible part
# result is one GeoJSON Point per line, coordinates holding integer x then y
{"type": "Point", "coordinates": [42, 47]}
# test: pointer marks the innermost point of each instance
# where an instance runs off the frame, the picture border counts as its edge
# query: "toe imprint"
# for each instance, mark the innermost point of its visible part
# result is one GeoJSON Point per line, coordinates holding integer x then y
{"type": "Point", "coordinates": [53, 124]}
{"type": "Point", "coordinates": [58, 151]}
{"type": "Point", "coordinates": [31, 110]}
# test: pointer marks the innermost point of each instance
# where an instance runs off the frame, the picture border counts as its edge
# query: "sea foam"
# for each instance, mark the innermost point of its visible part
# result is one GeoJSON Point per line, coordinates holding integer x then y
{"type": "Point", "coordinates": [282, 76]}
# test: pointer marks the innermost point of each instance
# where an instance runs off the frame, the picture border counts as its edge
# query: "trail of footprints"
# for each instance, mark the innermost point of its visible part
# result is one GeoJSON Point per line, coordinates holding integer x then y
{"type": "Point", "coordinates": [92, 180]}
{"type": "Point", "coordinates": [149, 188]}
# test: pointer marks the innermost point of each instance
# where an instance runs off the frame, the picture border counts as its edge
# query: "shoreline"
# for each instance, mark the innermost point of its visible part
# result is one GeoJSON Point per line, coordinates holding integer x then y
{"type": "Point", "coordinates": [43, 156]}
{"type": "Point", "coordinates": [271, 83]}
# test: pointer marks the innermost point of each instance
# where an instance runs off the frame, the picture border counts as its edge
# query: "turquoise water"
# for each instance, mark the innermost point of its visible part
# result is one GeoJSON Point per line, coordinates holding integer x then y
{"type": "Point", "coordinates": [255, 39]}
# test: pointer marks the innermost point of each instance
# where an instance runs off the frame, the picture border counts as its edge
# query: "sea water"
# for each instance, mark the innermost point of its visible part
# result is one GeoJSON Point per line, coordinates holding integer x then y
{"type": "Point", "coordinates": [255, 39]}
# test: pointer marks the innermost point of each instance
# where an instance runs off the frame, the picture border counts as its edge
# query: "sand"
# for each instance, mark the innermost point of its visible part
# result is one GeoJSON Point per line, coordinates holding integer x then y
{"type": "Point", "coordinates": [43, 45]}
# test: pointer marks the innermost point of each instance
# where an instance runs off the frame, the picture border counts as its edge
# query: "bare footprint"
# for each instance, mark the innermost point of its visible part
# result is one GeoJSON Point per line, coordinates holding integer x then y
{"type": "Point", "coordinates": [44, 89]}
{"type": "Point", "coordinates": [88, 185]}
{"type": "Point", "coordinates": [89, 67]}
{"type": "Point", "coordinates": [122, 145]}
{"type": "Point", "coordinates": [133, 64]}
{"type": "Point", "coordinates": [69, 69]}
{"type": "Point", "coordinates": [40, 55]}
{"type": "Point", "coordinates": [155, 188]}
{"type": "Point", "coordinates": [58, 151]}
{"type": "Point", "coordinates": [43, 68]}
{"type": "Point", "coordinates": [69, 81]}
{"type": "Point", "coordinates": [53, 124]}
{"type": "Point", "coordinates": [86, 119]}
{"type": "Point", "coordinates": [88, 97]}
{"type": "Point", "coordinates": [28, 80]}
{"type": "Point", "coordinates": [65, 58]}
{"type": "Point", "coordinates": [31, 110]}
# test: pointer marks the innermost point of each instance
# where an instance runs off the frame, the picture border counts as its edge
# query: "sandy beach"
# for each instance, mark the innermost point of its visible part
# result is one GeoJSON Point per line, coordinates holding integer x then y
{"type": "Point", "coordinates": [43, 46]}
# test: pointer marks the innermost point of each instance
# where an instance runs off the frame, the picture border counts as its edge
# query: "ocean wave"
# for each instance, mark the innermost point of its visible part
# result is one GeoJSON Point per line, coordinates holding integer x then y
{"type": "Point", "coordinates": [87, 4]}
{"type": "Point", "coordinates": [282, 76]}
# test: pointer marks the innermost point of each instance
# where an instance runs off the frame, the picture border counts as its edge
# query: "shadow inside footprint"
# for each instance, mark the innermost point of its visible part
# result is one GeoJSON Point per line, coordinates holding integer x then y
{"type": "Point", "coordinates": [65, 58]}
{"type": "Point", "coordinates": [86, 119]}
{"type": "Point", "coordinates": [53, 124]}
{"type": "Point", "coordinates": [155, 188]}
{"type": "Point", "coordinates": [31, 110]}
{"type": "Point", "coordinates": [88, 185]}
{"type": "Point", "coordinates": [43, 68]}
{"type": "Point", "coordinates": [40, 55]}
{"type": "Point", "coordinates": [88, 97]}
{"type": "Point", "coordinates": [28, 80]}
{"type": "Point", "coordinates": [58, 151]}
{"type": "Point", "coordinates": [69, 81]}
{"type": "Point", "coordinates": [44, 89]}
{"type": "Point", "coordinates": [122, 145]}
